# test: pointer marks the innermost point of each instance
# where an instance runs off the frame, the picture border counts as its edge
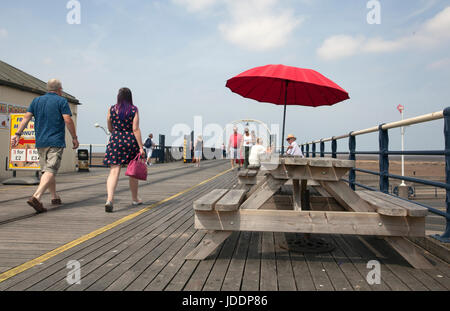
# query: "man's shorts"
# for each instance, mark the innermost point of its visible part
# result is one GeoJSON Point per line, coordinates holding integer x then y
{"type": "Point", "coordinates": [50, 159]}
{"type": "Point", "coordinates": [235, 153]}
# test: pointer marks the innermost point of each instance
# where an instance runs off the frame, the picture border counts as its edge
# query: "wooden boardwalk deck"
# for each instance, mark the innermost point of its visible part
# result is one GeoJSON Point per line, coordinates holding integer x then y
{"type": "Point", "coordinates": [146, 251]}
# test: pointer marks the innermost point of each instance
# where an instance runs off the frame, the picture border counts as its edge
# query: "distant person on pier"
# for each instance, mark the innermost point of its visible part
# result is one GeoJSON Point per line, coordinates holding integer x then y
{"type": "Point", "coordinates": [293, 149]}
{"type": "Point", "coordinates": [124, 145]}
{"type": "Point", "coordinates": [149, 146]}
{"type": "Point", "coordinates": [248, 143]}
{"type": "Point", "coordinates": [51, 114]}
{"type": "Point", "coordinates": [234, 147]}
{"type": "Point", "coordinates": [198, 150]}
{"type": "Point", "coordinates": [256, 151]}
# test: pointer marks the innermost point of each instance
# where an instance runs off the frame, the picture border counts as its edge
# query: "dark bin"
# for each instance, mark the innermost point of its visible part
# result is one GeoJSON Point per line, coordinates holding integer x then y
{"type": "Point", "coordinates": [83, 160]}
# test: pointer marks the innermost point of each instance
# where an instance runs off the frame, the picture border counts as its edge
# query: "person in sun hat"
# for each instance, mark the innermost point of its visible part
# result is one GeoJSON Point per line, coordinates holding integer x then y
{"type": "Point", "coordinates": [293, 149]}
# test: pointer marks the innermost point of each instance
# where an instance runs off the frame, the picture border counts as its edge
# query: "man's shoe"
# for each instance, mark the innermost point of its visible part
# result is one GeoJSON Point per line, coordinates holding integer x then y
{"type": "Point", "coordinates": [109, 207]}
{"type": "Point", "coordinates": [34, 203]}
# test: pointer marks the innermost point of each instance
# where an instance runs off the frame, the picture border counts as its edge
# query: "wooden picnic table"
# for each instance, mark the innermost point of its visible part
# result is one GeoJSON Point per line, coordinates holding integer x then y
{"type": "Point", "coordinates": [253, 208]}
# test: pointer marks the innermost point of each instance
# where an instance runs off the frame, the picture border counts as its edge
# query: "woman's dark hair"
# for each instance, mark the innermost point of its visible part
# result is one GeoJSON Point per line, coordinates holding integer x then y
{"type": "Point", "coordinates": [124, 103]}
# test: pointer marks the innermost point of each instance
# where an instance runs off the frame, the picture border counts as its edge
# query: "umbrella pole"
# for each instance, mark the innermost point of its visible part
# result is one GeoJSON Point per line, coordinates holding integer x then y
{"type": "Point", "coordinates": [284, 117]}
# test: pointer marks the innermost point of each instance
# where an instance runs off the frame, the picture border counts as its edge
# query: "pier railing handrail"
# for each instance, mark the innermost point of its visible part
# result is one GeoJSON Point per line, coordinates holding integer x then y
{"type": "Point", "coordinates": [384, 152]}
{"type": "Point", "coordinates": [416, 120]}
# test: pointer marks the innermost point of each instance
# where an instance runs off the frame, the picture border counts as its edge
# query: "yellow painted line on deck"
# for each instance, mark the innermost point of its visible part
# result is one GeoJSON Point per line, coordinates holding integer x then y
{"type": "Point", "coordinates": [19, 269]}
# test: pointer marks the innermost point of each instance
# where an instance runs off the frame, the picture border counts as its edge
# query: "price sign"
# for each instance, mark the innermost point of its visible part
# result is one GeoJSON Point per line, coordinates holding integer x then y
{"type": "Point", "coordinates": [18, 155]}
{"type": "Point", "coordinates": [32, 155]}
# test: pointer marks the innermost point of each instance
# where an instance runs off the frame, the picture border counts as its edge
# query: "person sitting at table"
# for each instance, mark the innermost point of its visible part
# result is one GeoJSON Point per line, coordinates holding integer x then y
{"type": "Point", "coordinates": [255, 153]}
{"type": "Point", "coordinates": [293, 149]}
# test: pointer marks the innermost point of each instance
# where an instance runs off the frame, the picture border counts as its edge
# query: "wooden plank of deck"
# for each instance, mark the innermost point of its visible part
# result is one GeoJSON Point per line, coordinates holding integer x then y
{"type": "Point", "coordinates": [285, 274]}
{"type": "Point", "coordinates": [140, 232]}
{"type": "Point", "coordinates": [172, 267]}
{"type": "Point", "coordinates": [251, 277]}
{"type": "Point", "coordinates": [359, 261]}
{"type": "Point", "coordinates": [235, 272]}
{"type": "Point", "coordinates": [387, 276]}
{"type": "Point", "coordinates": [96, 246]}
{"type": "Point", "coordinates": [333, 271]}
{"type": "Point", "coordinates": [219, 269]}
{"type": "Point", "coordinates": [268, 280]}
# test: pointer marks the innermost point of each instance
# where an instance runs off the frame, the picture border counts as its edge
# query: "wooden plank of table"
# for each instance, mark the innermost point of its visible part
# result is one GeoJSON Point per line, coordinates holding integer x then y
{"type": "Point", "coordinates": [304, 195]}
{"type": "Point", "coordinates": [410, 252]}
{"type": "Point", "coordinates": [211, 241]}
{"type": "Point", "coordinates": [251, 277]}
{"type": "Point", "coordinates": [297, 195]}
{"type": "Point", "coordinates": [346, 196]}
{"type": "Point", "coordinates": [231, 200]}
{"type": "Point", "coordinates": [311, 222]}
{"type": "Point", "coordinates": [268, 281]}
{"type": "Point", "coordinates": [382, 206]}
{"type": "Point", "coordinates": [413, 210]}
{"type": "Point", "coordinates": [263, 193]}
{"type": "Point", "coordinates": [233, 278]}
{"type": "Point", "coordinates": [321, 191]}
{"type": "Point", "coordinates": [207, 202]}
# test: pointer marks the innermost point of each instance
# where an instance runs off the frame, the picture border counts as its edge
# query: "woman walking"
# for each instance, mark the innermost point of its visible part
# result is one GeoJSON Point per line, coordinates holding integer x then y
{"type": "Point", "coordinates": [124, 145]}
{"type": "Point", "coordinates": [198, 150]}
{"type": "Point", "coordinates": [248, 143]}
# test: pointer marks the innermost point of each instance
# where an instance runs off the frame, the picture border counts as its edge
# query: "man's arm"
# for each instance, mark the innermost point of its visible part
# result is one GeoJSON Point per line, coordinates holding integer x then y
{"type": "Point", "coordinates": [23, 125]}
{"type": "Point", "coordinates": [71, 127]}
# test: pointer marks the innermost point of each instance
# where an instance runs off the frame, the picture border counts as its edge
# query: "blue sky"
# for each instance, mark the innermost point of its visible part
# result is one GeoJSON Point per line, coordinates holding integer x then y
{"type": "Point", "coordinates": [176, 56]}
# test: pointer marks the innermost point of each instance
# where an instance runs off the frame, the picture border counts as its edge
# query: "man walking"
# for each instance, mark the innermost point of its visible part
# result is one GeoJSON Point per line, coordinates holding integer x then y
{"type": "Point", "coordinates": [234, 147]}
{"type": "Point", "coordinates": [51, 114]}
{"type": "Point", "coordinates": [149, 145]}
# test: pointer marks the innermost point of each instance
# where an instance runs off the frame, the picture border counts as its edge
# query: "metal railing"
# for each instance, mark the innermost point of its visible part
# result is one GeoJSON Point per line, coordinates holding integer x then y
{"type": "Point", "coordinates": [383, 154]}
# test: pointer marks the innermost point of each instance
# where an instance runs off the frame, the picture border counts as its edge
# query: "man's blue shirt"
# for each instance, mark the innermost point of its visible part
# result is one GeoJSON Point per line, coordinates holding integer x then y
{"type": "Point", "coordinates": [49, 124]}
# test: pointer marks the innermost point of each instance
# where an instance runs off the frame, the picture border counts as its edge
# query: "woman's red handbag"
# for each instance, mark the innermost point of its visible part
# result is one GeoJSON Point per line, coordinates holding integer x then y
{"type": "Point", "coordinates": [137, 168]}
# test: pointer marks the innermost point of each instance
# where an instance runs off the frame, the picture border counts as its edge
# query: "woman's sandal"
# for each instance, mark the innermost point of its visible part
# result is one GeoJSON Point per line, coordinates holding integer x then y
{"type": "Point", "coordinates": [56, 201]}
{"type": "Point", "coordinates": [109, 207]}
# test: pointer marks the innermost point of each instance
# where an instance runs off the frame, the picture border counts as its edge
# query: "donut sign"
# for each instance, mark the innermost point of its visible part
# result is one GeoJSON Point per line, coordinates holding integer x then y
{"type": "Point", "coordinates": [24, 156]}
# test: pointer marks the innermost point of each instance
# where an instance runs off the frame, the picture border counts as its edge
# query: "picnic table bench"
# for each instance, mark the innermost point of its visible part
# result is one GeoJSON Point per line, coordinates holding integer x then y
{"type": "Point", "coordinates": [337, 209]}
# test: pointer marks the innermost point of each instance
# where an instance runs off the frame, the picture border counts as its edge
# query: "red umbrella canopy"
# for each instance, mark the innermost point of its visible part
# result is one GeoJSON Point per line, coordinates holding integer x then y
{"type": "Point", "coordinates": [305, 87]}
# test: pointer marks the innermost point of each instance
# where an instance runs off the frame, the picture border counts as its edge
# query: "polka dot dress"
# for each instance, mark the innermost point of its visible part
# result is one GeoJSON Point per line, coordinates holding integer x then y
{"type": "Point", "coordinates": [122, 146]}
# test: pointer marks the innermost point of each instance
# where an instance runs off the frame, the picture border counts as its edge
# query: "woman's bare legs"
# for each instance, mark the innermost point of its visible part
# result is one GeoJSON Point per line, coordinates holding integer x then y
{"type": "Point", "coordinates": [134, 189]}
{"type": "Point", "coordinates": [111, 182]}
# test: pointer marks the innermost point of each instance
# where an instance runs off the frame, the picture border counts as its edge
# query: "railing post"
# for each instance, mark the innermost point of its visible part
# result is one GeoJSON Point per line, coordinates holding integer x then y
{"type": "Point", "coordinates": [383, 139]}
{"type": "Point", "coordinates": [322, 149]}
{"type": "Point", "coordinates": [445, 237]}
{"type": "Point", "coordinates": [307, 150]}
{"type": "Point", "coordinates": [314, 150]}
{"type": "Point", "coordinates": [90, 155]}
{"type": "Point", "coordinates": [333, 148]}
{"type": "Point", "coordinates": [162, 145]}
{"type": "Point", "coordinates": [352, 150]}
{"type": "Point", "coordinates": [303, 149]}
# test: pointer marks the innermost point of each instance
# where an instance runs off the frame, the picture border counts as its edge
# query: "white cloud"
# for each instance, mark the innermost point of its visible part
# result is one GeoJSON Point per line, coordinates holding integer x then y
{"type": "Point", "coordinates": [442, 63]}
{"type": "Point", "coordinates": [196, 5]}
{"type": "Point", "coordinates": [258, 24]}
{"type": "Point", "coordinates": [253, 24]}
{"type": "Point", "coordinates": [431, 34]}
{"type": "Point", "coordinates": [3, 33]}
{"type": "Point", "coordinates": [339, 46]}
